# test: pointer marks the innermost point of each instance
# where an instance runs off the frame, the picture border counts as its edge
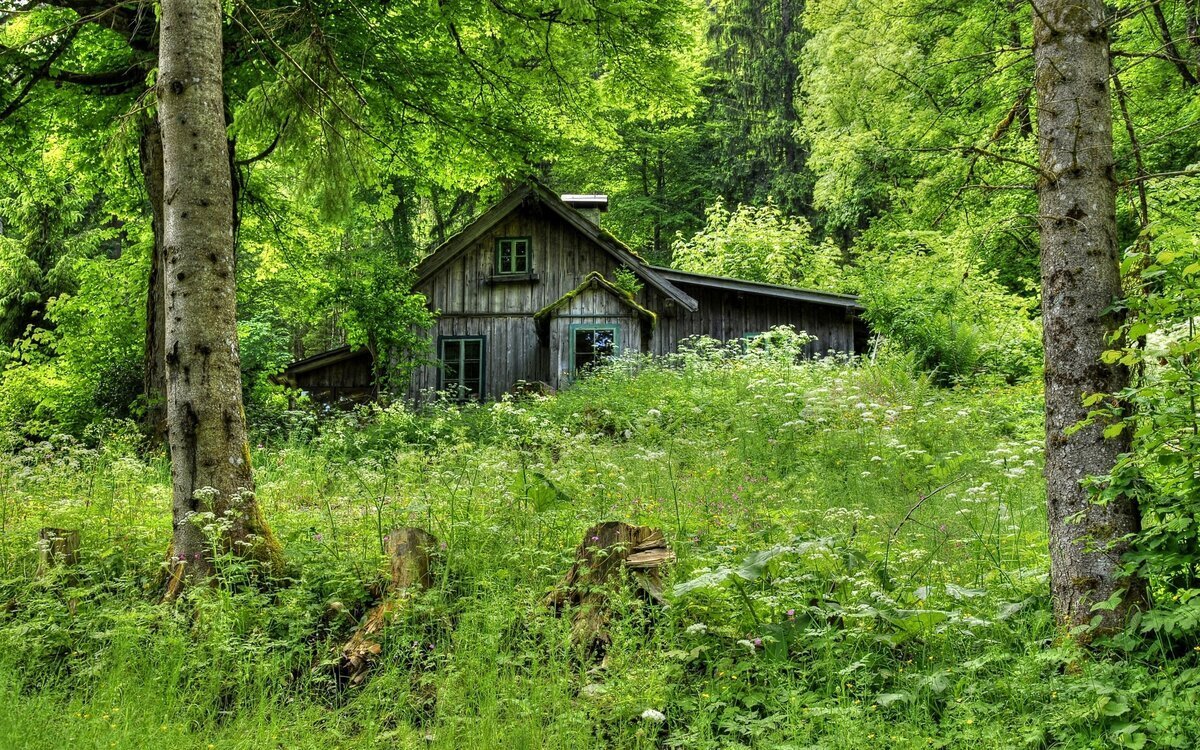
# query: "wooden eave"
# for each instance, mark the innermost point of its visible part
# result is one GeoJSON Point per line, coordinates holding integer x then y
{"type": "Point", "coordinates": [741, 286]}
{"type": "Point", "coordinates": [459, 243]}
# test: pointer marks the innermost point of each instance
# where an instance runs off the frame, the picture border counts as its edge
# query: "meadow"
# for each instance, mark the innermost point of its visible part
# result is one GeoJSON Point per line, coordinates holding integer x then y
{"type": "Point", "coordinates": [861, 563]}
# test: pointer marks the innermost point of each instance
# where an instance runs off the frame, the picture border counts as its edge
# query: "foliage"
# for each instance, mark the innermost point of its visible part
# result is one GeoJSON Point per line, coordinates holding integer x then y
{"type": "Point", "coordinates": [956, 319]}
{"type": "Point", "coordinates": [759, 244]}
{"type": "Point", "coordinates": [1159, 343]}
{"type": "Point", "coordinates": [852, 627]}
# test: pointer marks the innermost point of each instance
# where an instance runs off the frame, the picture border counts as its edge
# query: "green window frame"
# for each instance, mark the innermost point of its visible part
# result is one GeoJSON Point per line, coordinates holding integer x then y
{"type": "Point", "coordinates": [747, 338]}
{"type": "Point", "coordinates": [592, 343]}
{"type": "Point", "coordinates": [514, 255]}
{"type": "Point", "coordinates": [462, 372]}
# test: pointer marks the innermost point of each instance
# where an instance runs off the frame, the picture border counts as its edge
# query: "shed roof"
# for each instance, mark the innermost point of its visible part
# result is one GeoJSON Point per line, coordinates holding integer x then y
{"type": "Point", "coordinates": [317, 361]}
{"type": "Point", "coordinates": [781, 291]}
{"type": "Point", "coordinates": [595, 281]}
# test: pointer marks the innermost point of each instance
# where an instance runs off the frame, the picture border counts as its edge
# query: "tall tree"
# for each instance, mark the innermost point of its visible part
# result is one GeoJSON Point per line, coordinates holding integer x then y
{"type": "Point", "coordinates": [210, 455]}
{"type": "Point", "coordinates": [1080, 281]}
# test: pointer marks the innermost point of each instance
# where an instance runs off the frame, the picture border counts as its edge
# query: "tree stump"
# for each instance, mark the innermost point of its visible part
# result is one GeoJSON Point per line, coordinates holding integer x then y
{"type": "Point", "coordinates": [57, 548]}
{"type": "Point", "coordinates": [610, 553]}
{"type": "Point", "coordinates": [409, 552]}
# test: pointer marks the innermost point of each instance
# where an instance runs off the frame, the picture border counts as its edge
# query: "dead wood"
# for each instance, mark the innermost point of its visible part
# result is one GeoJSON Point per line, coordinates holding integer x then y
{"type": "Point", "coordinates": [57, 548]}
{"type": "Point", "coordinates": [409, 552]}
{"type": "Point", "coordinates": [610, 554]}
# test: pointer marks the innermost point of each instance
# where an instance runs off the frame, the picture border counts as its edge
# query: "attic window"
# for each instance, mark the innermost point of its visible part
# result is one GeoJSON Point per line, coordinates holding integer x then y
{"type": "Point", "coordinates": [513, 255]}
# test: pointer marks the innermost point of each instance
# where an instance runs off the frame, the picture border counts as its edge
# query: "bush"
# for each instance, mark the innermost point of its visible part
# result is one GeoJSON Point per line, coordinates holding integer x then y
{"type": "Point", "coordinates": [923, 296]}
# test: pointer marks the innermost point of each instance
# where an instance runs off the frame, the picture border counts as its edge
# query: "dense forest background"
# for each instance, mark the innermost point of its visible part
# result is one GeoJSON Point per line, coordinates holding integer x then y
{"type": "Point", "coordinates": [887, 151]}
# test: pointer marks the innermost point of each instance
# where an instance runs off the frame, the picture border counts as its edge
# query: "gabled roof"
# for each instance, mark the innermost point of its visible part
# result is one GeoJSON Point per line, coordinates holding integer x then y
{"type": "Point", "coordinates": [796, 294]}
{"type": "Point", "coordinates": [533, 190]}
{"type": "Point", "coordinates": [595, 281]}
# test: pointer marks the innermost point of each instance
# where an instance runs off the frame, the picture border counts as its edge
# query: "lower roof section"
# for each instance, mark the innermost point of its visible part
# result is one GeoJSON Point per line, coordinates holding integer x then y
{"type": "Point", "coordinates": [796, 294]}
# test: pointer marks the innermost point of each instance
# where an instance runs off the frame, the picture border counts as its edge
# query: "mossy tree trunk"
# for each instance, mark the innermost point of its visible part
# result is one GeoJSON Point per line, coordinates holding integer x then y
{"type": "Point", "coordinates": [1080, 281]}
{"type": "Point", "coordinates": [154, 378]}
{"type": "Point", "coordinates": [210, 456]}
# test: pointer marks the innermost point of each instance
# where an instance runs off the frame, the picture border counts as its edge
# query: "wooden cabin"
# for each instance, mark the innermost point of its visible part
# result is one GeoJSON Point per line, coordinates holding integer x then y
{"type": "Point", "coordinates": [525, 294]}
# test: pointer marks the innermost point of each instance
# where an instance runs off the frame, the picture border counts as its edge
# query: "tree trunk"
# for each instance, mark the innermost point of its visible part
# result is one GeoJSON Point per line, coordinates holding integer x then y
{"type": "Point", "coordinates": [154, 375]}
{"type": "Point", "coordinates": [1080, 281]}
{"type": "Point", "coordinates": [210, 457]}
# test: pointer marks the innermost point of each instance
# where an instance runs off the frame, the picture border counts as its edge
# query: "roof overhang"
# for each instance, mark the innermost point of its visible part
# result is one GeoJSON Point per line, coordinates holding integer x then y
{"type": "Point", "coordinates": [595, 281]}
{"type": "Point", "coordinates": [316, 362]}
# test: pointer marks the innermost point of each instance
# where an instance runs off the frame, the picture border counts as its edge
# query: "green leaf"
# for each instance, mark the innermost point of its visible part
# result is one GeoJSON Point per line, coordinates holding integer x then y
{"type": "Point", "coordinates": [1137, 330]}
{"type": "Point", "coordinates": [887, 699]}
{"type": "Point", "coordinates": [707, 580]}
{"type": "Point", "coordinates": [754, 565]}
{"type": "Point", "coordinates": [1114, 429]}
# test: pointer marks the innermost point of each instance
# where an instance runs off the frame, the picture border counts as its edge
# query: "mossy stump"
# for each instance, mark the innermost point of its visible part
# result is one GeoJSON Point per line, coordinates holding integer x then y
{"type": "Point", "coordinates": [410, 551]}
{"type": "Point", "coordinates": [611, 553]}
{"type": "Point", "coordinates": [57, 548]}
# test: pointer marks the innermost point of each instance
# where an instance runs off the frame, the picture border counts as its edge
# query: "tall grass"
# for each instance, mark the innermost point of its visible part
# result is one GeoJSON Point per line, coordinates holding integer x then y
{"type": "Point", "coordinates": [903, 604]}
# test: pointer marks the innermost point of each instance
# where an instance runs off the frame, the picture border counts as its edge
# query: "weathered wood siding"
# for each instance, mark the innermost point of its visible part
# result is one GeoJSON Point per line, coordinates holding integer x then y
{"type": "Point", "coordinates": [352, 378]}
{"type": "Point", "coordinates": [473, 303]}
{"type": "Point", "coordinates": [728, 315]}
{"type": "Point", "coordinates": [590, 307]}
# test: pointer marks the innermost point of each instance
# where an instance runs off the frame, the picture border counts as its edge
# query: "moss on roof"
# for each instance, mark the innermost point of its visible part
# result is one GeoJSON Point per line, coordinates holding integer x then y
{"type": "Point", "coordinates": [593, 280]}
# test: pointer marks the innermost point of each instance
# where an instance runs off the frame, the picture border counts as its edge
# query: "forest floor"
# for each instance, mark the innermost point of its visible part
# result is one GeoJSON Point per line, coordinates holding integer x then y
{"type": "Point", "coordinates": [861, 563]}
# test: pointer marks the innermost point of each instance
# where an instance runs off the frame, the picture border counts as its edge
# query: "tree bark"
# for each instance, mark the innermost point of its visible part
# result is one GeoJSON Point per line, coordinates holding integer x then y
{"type": "Point", "coordinates": [210, 456]}
{"type": "Point", "coordinates": [1080, 281]}
{"type": "Point", "coordinates": [154, 377]}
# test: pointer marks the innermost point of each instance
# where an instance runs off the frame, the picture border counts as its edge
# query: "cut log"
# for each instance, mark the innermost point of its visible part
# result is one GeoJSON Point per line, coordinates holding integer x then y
{"type": "Point", "coordinates": [57, 548]}
{"type": "Point", "coordinates": [611, 553]}
{"type": "Point", "coordinates": [409, 552]}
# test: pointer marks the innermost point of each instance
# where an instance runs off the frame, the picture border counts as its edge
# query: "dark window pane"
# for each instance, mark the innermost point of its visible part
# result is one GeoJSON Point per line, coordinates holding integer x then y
{"type": "Point", "coordinates": [513, 255]}
{"type": "Point", "coordinates": [593, 345]}
{"type": "Point", "coordinates": [462, 367]}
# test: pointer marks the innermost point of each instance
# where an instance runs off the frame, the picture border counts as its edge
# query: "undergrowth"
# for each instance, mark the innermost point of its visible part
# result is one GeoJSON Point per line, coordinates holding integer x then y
{"type": "Point", "coordinates": [861, 563]}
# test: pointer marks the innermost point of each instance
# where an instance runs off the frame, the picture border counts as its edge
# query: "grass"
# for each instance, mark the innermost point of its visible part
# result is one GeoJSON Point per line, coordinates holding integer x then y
{"type": "Point", "coordinates": [861, 564]}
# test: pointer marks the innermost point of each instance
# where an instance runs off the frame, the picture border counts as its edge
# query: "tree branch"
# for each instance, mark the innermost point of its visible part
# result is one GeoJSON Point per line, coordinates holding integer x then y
{"type": "Point", "coordinates": [268, 150]}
